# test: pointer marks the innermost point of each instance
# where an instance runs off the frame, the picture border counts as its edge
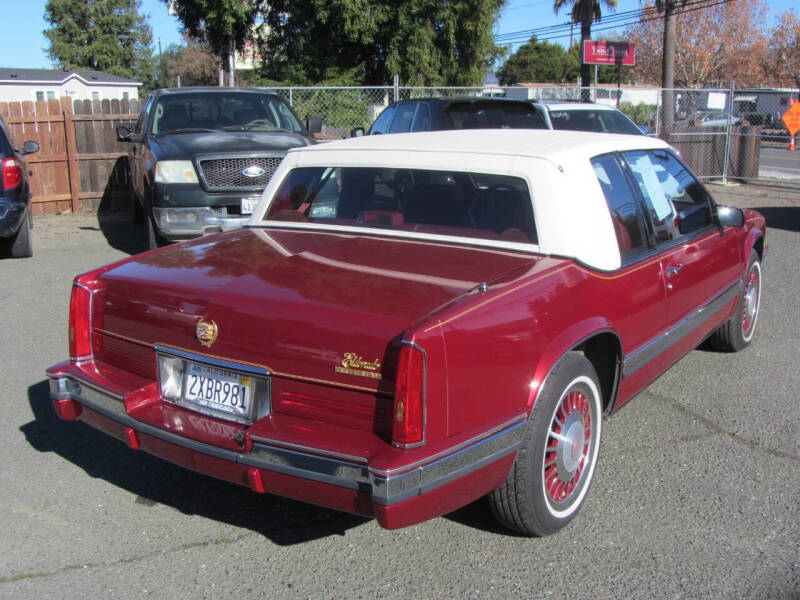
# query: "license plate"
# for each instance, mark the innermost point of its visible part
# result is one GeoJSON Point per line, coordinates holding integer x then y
{"type": "Point", "coordinates": [249, 204]}
{"type": "Point", "coordinates": [218, 390]}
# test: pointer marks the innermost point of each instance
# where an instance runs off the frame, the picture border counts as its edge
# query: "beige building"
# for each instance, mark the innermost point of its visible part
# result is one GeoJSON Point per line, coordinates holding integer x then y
{"type": "Point", "coordinates": [49, 84]}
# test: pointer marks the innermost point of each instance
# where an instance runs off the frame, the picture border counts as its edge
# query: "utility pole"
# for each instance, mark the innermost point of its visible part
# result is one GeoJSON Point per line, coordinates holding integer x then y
{"type": "Point", "coordinates": [668, 62]}
{"type": "Point", "coordinates": [231, 63]}
{"type": "Point", "coordinates": [160, 63]}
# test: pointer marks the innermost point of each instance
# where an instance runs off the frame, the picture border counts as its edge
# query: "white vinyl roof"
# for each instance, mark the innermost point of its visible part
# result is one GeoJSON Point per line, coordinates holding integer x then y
{"type": "Point", "coordinates": [540, 143]}
{"type": "Point", "coordinates": [572, 218]}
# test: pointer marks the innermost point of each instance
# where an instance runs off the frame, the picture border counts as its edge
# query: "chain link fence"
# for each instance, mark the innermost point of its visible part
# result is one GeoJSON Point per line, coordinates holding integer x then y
{"type": "Point", "coordinates": [721, 133]}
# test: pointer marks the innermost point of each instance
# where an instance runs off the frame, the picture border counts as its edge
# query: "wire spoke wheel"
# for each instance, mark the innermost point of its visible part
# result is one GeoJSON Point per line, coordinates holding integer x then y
{"type": "Point", "coordinates": [751, 301]}
{"type": "Point", "coordinates": [736, 332]}
{"type": "Point", "coordinates": [555, 464]}
{"type": "Point", "coordinates": [568, 448]}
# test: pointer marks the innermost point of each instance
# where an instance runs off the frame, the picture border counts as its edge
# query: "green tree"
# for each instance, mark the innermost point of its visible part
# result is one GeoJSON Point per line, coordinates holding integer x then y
{"type": "Point", "coordinates": [100, 35]}
{"type": "Point", "coordinates": [546, 62]}
{"type": "Point", "coordinates": [538, 61]}
{"type": "Point", "coordinates": [585, 12]}
{"type": "Point", "coordinates": [425, 42]}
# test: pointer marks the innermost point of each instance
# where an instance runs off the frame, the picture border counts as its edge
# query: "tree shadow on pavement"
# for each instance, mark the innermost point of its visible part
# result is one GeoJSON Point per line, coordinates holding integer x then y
{"type": "Point", "coordinates": [285, 522]}
{"type": "Point", "coordinates": [115, 212]}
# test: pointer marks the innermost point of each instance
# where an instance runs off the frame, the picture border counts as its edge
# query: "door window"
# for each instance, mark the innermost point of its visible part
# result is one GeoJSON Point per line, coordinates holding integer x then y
{"type": "Point", "coordinates": [143, 116]}
{"type": "Point", "coordinates": [402, 118]}
{"type": "Point", "coordinates": [422, 122]}
{"type": "Point", "coordinates": [677, 204]}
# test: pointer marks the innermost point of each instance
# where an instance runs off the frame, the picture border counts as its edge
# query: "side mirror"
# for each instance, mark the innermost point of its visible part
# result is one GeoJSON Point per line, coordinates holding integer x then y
{"type": "Point", "coordinates": [125, 133]}
{"type": "Point", "coordinates": [728, 216]}
{"type": "Point", "coordinates": [30, 147]}
{"type": "Point", "coordinates": [644, 129]}
{"type": "Point", "coordinates": [357, 132]}
{"type": "Point", "coordinates": [313, 124]}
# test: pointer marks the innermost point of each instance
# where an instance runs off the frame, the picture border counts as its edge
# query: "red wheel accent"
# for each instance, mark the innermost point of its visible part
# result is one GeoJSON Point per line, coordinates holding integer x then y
{"type": "Point", "coordinates": [568, 448]}
{"type": "Point", "coordinates": [750, 304]}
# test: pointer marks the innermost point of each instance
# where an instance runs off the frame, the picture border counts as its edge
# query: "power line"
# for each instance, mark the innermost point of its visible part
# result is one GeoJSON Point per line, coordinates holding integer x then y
{"type": "Point", "coordinates": [614, 21]}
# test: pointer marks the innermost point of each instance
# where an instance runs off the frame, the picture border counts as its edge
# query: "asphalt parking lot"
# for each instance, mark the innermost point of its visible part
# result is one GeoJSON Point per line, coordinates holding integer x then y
{"type": "Point", "coordinates": [696, 495]}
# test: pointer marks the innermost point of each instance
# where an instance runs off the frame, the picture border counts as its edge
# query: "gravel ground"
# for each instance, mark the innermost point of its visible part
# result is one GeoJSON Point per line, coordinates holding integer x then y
{"type": "Point", "coordinates": [696, 495]}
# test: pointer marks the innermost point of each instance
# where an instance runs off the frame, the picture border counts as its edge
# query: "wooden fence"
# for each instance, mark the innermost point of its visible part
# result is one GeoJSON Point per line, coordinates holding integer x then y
{"type": "Point", "coordinates": [80, 164]}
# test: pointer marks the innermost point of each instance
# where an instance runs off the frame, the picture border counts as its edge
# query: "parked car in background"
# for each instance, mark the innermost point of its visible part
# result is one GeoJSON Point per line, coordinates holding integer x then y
{"type": "Point", "coordinates": [200, 157]}
{"type": "Point", "coordinates": [588, 116]}
{"type": "Point", "coordinates": [435, 114]}
{"type": "Point", "coordinates": [16, 218]}
{"type": "Point", "coordinates": [759, 119]}
{"type": "Point", "coordinates": [457, 322]}
{"type": "Point", "coordinates": [711, 119]}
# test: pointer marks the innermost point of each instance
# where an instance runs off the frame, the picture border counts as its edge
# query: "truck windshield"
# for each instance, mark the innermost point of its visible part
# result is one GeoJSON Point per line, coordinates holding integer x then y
{"type": "Point", "coordinates": [176, 113]}
{"type": "Point", "coordinates": [475, 205]}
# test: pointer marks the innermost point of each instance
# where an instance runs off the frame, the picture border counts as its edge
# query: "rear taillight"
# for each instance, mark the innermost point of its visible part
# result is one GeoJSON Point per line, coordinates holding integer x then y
{"type": "Point", "coordinates": [12, 173]}
{"type": "Point", "coordinates": [83, 309]}
{"type": "Point", "coordinates": [408, 417]}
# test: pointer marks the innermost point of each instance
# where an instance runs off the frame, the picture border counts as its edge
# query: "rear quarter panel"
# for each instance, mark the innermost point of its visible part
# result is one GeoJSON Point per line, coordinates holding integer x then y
{"type": "Point", "coordinates": [501, 345]}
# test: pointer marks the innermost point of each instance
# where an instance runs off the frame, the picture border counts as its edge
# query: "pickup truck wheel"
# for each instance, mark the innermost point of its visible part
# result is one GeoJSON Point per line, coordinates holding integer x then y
{"type": "Point", "coordinates": [137, 212]}
{"type": "Point", "coordinates": [737, 332]}
{"type": "Point", "coordinates": [21, 245]}
{"type": "Point", "coordinates": [154, 240]}
{"type": "Point", "coordinates": [554, 466]}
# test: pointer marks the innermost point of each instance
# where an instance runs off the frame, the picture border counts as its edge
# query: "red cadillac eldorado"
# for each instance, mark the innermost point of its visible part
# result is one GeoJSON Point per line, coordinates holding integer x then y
{"type": "Point", "coordinates": [411, 322]}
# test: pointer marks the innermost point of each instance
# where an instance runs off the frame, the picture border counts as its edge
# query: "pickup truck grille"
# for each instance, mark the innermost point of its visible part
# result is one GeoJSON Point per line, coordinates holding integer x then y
{"type": "Point", "coordinates": [228, 173]}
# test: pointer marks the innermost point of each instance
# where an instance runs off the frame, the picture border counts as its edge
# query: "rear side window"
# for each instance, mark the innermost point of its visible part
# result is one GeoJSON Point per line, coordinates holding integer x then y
{"type": "Point", "coordinates": [381, 124]}
{"type": "Point", "coordinates": [625, 211]}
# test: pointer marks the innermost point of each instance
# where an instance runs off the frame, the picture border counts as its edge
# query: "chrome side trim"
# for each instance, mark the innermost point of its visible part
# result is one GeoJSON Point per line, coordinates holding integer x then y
{"type": "Point", "coordinates": [663, 342]}
{"type": "Point", "coordinates": [308, 449]}
{"type": "Point", "coordinates": [396, 488]}
{"type": "Point", "coordinates": [385, 487]}
{"type": "Point", "coordinates": [216, 362]}
{"type": "Point", "coordinates": [480, 438]}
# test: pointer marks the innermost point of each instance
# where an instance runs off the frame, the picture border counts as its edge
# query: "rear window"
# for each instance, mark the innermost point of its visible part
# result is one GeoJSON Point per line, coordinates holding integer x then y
{"type": "Point", "coordinates": [494, 115]}
{"type": "Point", "coordinates": [476, 205]}
{"type": "Point", "coordinates": [600, 121]}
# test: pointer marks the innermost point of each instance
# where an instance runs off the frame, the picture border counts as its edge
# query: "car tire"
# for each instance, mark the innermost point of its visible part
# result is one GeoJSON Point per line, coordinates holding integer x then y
{"type": "Point", "coordinates": [21, 245]}
{"type": "Point", "coordinates": [736, 333]}
{"type": "Point", "coordinates": [137, 212]}
{"type": "Point", "coordinates": [551, 476]}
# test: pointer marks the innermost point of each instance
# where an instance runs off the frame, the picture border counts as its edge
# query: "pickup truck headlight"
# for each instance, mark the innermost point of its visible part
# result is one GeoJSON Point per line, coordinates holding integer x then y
{"type": "Point", "coordinates": [175, 171]}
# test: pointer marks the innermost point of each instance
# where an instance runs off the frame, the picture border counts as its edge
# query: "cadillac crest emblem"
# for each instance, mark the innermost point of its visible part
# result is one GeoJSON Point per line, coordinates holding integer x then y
{"type": "Point", "coordinates": [206, 332]}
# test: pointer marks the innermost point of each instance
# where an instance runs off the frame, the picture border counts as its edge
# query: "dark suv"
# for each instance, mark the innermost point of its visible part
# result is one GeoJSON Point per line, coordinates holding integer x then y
{"type": "Point", "coordinates": [433, 114]}
{"type": "Point", "coordinates": [201, 157]}
{"type": "Point", "coordinates": [16, 219]}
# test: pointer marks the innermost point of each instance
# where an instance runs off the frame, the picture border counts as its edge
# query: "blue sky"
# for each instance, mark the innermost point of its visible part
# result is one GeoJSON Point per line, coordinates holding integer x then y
{"type": "Point", "coordinates": [23, 45]}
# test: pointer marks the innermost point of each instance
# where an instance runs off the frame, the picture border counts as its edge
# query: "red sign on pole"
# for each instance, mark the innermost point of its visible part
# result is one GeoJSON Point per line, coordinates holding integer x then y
{"type": "Point", "coordinates": [609, 53]}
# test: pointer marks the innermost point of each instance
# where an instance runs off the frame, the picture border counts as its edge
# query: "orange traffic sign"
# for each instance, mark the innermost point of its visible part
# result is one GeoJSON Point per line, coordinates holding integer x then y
{"type": "Point", "coordinates": [792, 118]}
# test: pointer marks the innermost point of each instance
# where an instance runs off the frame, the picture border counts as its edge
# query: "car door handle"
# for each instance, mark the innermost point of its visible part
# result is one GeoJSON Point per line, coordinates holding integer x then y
{"type": "Point", "coordinates": [672, 271]}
